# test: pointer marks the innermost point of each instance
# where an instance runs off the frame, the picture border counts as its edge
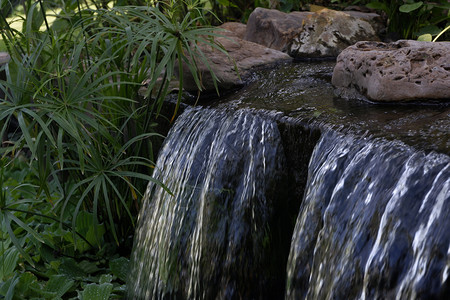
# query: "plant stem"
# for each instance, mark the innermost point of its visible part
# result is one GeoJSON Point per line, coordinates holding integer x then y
{"type": "Point", "coordinates": [53, 219]}
{"type": "Point", "coordinates": [45, 17]}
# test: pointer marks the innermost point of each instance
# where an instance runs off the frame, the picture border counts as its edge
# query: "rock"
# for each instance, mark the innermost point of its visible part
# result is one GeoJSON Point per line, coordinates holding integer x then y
{"type": "Point", "coordinates": [401, 71]}
{"type": "Point", "coordinates": [234, 29]}
{"type": "Point", "coordinates": [4, 58]}
{"type": "Point", "coordinates": [273, 28]}
{"type": "Point", "coordinates": [378, 22]}
{"type": "Point", "coordinates": [328, 32]}
{"type": "Point", "coordinates": [245, 55]}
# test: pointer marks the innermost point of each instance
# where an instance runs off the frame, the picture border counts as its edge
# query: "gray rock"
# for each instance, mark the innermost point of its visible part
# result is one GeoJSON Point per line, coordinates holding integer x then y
{"type": "Point", "coordinates": [234, 29]}
{"type": "Point", "coordinates": [244, 55]}
{"type": "Point", "coordinates": [401, 71]}
{"type": "Point", "coordinates": [4, 58]}
{"type": "Point", "coordinates": [328, 32]}
{"type": "Point", "coordinates": [273, 28]}
{"type": "Point", "coordinates": [378, 23]}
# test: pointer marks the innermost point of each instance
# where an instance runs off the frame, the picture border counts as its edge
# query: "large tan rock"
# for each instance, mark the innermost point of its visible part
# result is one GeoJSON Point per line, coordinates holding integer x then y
{"type": "Point", "coordinates": [401, 71]}
{"type": "Point", "coordinates": [244, 55]}
{"type": "Point", "coordinates": [234, 29]}
{"type": "Point", "coordinates": [328, 32]}
{"type": "Point", "coordinates": [273, 28]}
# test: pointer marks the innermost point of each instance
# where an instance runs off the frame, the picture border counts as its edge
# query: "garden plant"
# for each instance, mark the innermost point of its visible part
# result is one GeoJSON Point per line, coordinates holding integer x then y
{"type": "Point", "coordinates": [77, 149]}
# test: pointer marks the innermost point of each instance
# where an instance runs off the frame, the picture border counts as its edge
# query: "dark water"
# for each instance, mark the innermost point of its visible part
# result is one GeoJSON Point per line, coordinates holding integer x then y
{"type": "Point", "coordinates": [283, 191]}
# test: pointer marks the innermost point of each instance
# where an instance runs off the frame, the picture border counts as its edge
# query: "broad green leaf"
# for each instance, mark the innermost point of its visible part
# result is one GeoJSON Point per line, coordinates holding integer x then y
{"type": "Point", "coordinates": [71, 268]}
{"type": "Point", "coordinates": [431, 29]}
{"type": "Point", "coordinates": [378, 5]}
{"type": "Point", "coordinates": [120, 268]}
{"type": "Point", "coordinates": [59, 285]}
{"type": "Point", "coordinates": [105, 278]}
{"type": "Point", "coordinates": [407, 8]}
{"type": "Point", "coordinates": [95, 234]}
{"type": "Point", "coordinates": [28, 285]}
{"type": "Point", "coordinates": [97, 291]}
{"type": "Point", "coordinates": [88, 266]}
{"type": "Point", "coordinates": [8, 263]}
{"type": "Point", "coordinates": [425, 37]}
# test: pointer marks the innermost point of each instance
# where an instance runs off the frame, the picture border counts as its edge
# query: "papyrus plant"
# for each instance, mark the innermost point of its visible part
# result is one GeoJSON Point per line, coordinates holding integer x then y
{"type": "Point", "coordinates": [72, 91]}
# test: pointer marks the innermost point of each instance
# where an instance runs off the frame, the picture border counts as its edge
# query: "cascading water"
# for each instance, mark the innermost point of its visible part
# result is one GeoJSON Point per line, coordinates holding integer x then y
{"type": "Point", "coordinates": [374, 223]}
{"type": "Point", "coordinates": [273, 207]}
{"type": "Point", "coordinates": [214, 237]}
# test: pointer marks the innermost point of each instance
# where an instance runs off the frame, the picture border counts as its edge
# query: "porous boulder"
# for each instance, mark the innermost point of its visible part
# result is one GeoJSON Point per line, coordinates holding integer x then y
{"type": "Point", "coordinates": [401, 71]}
{"type": "Point", "coordinates": [244, 55]}
{"type": "Point", "coordinates": [328, 32]}
{"type": "Point", "coordinates": [273, 28]}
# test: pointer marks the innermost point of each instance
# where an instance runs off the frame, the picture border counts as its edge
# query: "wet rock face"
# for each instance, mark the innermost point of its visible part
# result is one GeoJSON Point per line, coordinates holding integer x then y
{"type": "Point", "coordinates": [400, 71]}
{"type": "Point", "coordinates": [328, 32]}
{"type": "Point", "coordinates": [273, 28]}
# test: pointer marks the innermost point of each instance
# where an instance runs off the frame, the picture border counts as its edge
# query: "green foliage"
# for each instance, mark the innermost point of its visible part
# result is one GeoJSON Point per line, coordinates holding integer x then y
{"type": "Point", "coordinates": [78, 140]}
{"type": "Point", "coordinates": [413, 18]}
{"type": "Point", "coordinates": [97, 291]}
{"type": "Point", "coordinates": [49, 245]}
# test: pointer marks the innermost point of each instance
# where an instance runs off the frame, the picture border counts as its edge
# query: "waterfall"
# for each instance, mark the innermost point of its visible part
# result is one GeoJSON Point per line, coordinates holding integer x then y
{"type": "Point", "coordinates": [213, 236]}
{"type": "Point", "coordinates": [374, 223]}
{"type": "Point", "coordinates": [370, 219]}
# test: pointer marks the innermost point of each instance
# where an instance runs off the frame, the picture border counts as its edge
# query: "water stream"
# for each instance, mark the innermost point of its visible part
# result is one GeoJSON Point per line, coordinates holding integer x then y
{"type": "Point", "coordinates": [286, 192]}
{"type": "Point", "coordinates": [373, 223]}
{"type": "Point", "coordinates": [205, 241]}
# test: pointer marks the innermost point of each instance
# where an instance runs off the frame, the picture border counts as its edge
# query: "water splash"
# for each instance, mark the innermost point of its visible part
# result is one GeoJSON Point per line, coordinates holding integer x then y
{"type": "Point", "coordinates": [215, 238]}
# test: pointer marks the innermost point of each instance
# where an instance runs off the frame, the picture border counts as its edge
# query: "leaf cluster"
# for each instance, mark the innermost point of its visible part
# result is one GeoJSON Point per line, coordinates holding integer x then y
{"type": "Point", "coordinates": [412, 19]}
{"type": "Point", "coordinates": [72, 116]}
{"type": "Point", "coordinates": [37, 253]}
